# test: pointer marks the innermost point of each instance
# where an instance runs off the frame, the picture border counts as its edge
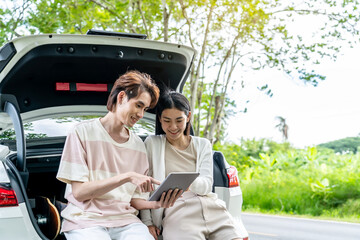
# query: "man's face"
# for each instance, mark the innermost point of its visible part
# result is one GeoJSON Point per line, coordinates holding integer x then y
{"type": "Point", "coordinates": [131, 111]}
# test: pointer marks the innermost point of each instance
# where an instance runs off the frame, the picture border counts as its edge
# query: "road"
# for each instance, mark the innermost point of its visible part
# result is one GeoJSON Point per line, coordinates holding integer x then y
{"type": "Point", "coordinates": [267, 227]}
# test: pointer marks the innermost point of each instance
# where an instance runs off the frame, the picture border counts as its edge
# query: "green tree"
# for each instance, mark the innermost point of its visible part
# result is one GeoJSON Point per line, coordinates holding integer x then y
{"type": "Point", "coordinates": [231, 35]}
{"type": "Point", "coordinates": [253, 35]}
{"type": "Point", "coordinates": [283, 127]}
{"type": "Point", "coordinates": [10, 133]}
{"type": "Point", "coordinates": [12, 19]}
{"type": "Point", "coordinates": [349, 144]}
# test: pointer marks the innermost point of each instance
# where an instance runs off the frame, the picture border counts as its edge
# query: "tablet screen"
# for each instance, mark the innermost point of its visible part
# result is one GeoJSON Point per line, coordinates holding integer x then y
{"type": "Point", "coordinates": [179, 180]}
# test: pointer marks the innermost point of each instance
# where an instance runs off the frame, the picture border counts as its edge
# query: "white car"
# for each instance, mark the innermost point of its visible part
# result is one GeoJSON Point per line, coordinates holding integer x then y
{"type": "Point", "coordinates": [55, 76]}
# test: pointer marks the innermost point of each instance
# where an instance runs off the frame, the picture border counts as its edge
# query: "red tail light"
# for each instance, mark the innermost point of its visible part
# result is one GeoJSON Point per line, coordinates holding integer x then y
{"type": "Point", "coordinates": [7, 196]}
{"type": "Point", "coordinates": [86, 87]}
{"type": "Point", "coordinates": [81, 87]}
{"type": "Point", "coordinates": [233, 177]}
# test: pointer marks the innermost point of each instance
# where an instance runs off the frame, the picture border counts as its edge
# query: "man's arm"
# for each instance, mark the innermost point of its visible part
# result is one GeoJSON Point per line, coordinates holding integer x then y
{"type": "Point", "coordinates": [83, 191]}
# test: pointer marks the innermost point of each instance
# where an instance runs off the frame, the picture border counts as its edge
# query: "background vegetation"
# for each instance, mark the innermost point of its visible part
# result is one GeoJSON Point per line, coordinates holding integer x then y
{"type": "Point", "coordinates": [346, 145]}
{"type": "Point", "coordinates": [316, 181]}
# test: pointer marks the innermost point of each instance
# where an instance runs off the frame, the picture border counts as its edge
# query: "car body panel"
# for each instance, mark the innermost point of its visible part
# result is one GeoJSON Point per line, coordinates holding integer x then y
{"type": "Point", "coordinates": [232, 196]}
{"type": "Point", "coordinates": [14, 220]}
{"type": "Point", "coordinates": [15, 223]}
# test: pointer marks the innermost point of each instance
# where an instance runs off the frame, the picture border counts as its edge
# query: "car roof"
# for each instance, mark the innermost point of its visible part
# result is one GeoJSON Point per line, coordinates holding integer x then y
{"type": "Point", "coordinates": [55, 74]}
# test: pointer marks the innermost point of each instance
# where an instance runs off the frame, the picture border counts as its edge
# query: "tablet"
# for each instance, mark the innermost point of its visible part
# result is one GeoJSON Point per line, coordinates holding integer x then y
{"type": "Point", "coordinates": [180, 180]}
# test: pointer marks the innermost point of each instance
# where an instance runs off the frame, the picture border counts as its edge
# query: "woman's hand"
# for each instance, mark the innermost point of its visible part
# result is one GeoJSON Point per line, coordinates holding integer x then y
{"type": "Point", "coordinates": [143, 183]}
{"type": "Point", "coordinates": [168, 198]}
{"type": "Point", "coordinates": [154, 231]}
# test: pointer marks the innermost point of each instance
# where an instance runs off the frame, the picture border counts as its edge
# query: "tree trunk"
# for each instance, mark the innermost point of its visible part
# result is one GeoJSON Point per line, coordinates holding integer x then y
{"type": "Point", "coordinates": [209, 124]}
{"type": "Point", "coordinates": [194, 81]}
{"type": "Point", "coordinates": [138, 4]}
{"type": "Point", "coordinates": [166, 17]}
{"type": "Point", "coordinates": [216, 118]}
{"type": "Point", "coordinates": [215, 124]}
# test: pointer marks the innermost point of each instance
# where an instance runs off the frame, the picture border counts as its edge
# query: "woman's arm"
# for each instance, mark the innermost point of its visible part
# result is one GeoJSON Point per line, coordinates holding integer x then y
{"type": "Point", "coordinates": [154, 147]}
{"type": "Point", "coordinates": [145, 216]}
{"type": "Point", "coordinates": [203, 183]}
{"type": "Point", "coordinates": [83, 191]}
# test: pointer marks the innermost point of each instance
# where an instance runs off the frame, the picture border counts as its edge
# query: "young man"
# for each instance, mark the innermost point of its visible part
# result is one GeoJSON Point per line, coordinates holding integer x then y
{"type": "Point", "coordinates": [105, 166]}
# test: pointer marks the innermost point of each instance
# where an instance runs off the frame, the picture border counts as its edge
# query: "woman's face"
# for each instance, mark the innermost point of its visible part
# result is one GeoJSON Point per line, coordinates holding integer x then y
{"type": "Point", "coordinates": [173, 123]}
{"type": "Point", "coordinates": [131, 111]}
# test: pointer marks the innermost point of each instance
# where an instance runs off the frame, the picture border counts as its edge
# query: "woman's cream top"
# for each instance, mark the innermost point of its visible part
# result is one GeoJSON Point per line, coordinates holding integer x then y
{"type": "Point", "coordinates": [180, 160]}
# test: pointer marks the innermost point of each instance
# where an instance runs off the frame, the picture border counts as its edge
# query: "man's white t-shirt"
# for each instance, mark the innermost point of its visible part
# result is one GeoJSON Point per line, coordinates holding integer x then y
{"type": "Point", "coordinates": [90, 154]}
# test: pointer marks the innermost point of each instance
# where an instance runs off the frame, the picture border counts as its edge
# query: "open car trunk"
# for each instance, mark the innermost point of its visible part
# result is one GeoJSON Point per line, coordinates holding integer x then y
{"type": "Point", "coordinates": [38, 184]}
{"type": "Point", "coordinates": [62, 75]}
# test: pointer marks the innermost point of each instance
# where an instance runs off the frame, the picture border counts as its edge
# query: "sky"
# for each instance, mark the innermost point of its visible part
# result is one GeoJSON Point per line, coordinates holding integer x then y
{"type": "Point", "coordinates": [315, 115]}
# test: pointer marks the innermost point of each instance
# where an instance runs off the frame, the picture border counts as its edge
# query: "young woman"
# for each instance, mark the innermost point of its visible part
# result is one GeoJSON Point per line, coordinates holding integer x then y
{"type": "Point", "coordinates": [198, 214]}
{"type": "Point", "coordinates": [105, 166]}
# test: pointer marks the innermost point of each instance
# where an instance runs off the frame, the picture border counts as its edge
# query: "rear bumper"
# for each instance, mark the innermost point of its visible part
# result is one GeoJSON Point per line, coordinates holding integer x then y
{"type": "Point", "coordinates": [15, 224]}
{"type": "Point", "coordinates": [233, 199]}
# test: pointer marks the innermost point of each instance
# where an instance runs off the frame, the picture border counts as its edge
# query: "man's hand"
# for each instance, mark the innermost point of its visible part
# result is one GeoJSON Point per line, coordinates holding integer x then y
{"type": "Point", "coordinates": [143, 183]}
{"type": "Point", "coordinates": [154, 231]}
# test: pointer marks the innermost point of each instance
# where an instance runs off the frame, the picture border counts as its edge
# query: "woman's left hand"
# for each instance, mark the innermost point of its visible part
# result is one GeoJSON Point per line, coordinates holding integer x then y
{"type": "Point", "coordinates": [168, 198]}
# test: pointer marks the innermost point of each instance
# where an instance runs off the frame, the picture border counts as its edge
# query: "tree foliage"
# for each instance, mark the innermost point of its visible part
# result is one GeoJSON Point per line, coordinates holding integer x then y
{"type": "Point", "coordinates": [28, 128]}
{"type": "Point", "coordinates": [283, 127]}
{"type": "Point", "coordinates": [229, 35]}
{"type": "Point", "coordinates": [349, 144]}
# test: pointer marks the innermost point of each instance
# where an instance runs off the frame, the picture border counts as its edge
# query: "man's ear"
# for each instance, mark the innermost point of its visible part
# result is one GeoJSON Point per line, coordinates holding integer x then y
{"type": "Point", "coordinates": [121, 96]}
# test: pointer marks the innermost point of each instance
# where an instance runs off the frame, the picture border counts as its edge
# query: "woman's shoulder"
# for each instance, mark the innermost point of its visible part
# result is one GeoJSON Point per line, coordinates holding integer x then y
{"type": "Point", "coordinates": [200, 140]}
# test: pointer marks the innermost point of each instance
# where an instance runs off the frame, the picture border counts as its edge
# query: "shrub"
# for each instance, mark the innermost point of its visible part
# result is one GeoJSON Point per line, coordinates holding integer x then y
{"type": "Point", "coordinates": [277, 178]}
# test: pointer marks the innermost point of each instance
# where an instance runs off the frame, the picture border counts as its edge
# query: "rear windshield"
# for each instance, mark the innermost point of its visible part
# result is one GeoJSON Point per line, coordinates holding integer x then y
{"type": "Point", "coordinates": [59, 127]}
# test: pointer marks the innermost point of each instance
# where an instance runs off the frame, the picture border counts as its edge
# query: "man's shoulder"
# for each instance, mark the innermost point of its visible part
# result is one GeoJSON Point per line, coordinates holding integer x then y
{"type": "Point", "coordinates": [84, 128]}
{"type": "Point", "coordinates": [135, 142]}
{"type": "Point", "coordinates": [153, 139]}
{"type": "Point", "coordinates": [86, 125]}
{"type": "Point", "coordinates": [136, 138]}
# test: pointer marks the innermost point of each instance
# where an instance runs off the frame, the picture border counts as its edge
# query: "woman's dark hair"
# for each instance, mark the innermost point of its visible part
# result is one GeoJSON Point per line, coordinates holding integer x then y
{"type": "Point", "coordinates": [170, 99]}
{"type": "Point", "coordinates": [133, 83]}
